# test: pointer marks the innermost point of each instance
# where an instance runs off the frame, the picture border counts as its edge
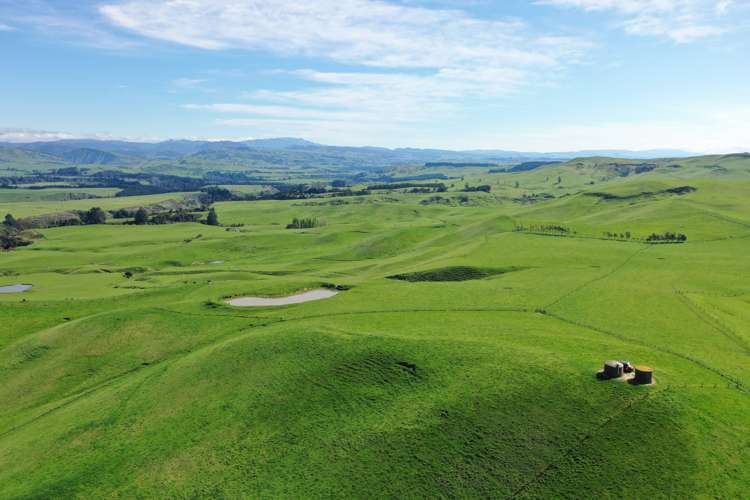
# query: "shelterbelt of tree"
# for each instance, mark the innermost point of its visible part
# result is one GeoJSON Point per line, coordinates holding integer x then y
{"type": "Point", "coordinates": [125, 373]}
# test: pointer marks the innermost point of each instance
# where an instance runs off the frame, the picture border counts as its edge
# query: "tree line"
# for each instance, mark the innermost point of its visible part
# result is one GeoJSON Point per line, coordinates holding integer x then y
{"type": "Point", "coordinates": [667, 237]}
{"type": "Point", "coordinates": [559, 230]}
{"type": "Point", "coordinates": [544, 228]}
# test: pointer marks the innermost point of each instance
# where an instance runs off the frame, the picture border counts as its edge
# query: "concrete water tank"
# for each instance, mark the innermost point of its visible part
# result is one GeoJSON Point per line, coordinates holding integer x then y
{"type": "Point", "coordinates": [613, 369]}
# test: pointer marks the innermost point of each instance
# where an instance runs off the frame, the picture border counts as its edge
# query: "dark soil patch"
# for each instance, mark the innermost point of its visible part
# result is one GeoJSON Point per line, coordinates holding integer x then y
{"type": "Point", "coordinates": [457, 273]}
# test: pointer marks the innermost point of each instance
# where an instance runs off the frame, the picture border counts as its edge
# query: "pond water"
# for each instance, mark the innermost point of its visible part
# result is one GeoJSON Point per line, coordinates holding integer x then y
{"type": "Point", "coordinates": [283, 301]}
{"type": "Point", "coordinates": [15, 288]}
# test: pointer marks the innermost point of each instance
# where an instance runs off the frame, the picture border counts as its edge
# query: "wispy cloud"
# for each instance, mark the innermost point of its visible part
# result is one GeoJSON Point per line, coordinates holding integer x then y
{"type": "Point", "coordinates": [74, 22]}
{"type": "Point", "coordinates": [414, 63]}
{"type": "Point", "coordinates": [679, 20]}
{"type": "Point", "coordinates": [368, 32]}
{"type": "Point", "coordinates": [23, 135]}
{"type": "Point", "coordinates": [347, 103]}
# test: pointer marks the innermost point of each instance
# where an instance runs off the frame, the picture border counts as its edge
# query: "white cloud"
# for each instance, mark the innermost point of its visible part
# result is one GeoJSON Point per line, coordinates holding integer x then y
{"type": "Point", "coordinates": [368, 32]}
{"type": "Point", "coordinates": [30, 135]}
{"type": "Point", "coordinates": [69, 21]}
{"type": "Point", "coordinates": [420, 64]}
{"type": "Point", "coordinates": [23, 135]}
{"type": "Point", "coordinates": [679, 20]}
{"type": "Point", "coordinates": [355, 106]}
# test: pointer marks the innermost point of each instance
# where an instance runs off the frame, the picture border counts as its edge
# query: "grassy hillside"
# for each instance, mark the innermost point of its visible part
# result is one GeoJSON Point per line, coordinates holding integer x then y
{"type": "Point", "coordinates": [24, 203]}
{"type": "Point", "coordinates": [474, 376]}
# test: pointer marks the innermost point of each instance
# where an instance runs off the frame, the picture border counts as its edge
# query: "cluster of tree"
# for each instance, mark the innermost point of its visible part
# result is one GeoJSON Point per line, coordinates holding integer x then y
{"type": "Point", "coordinates": [545, 228]}
{"type": "Point", "coordinates": [439, 200]}
{"type": "Point", "coordinates": [10, 234]}
{"type": "Point", "coordinates": [305, 223]}
{"type": "Point", "coordinates": [94, 215]}
{"type": "Point", "coordinates": [142, 217]}
{"type": "Point", "coordinates": [618, 236]}
{"type": "Point", "coordinates": [533, 198]}
{"type": "Point", "coordinates": [232, 178]}
{"type": "Point", "coordinates": [436, 200]}
{"type": "Point", "coordinates": [450, 164]}
{"type": "Point", "coordinates": [409, 178]}
{"type": "Point", "coordinates": [213, 194]}
{"type": "Point", "coordinates": [485, 188]}
{"type": "Point", "coordinates": [10, 239]}
{"type": "Point", "coordinates": [348, 192]}
{"type": "Point", "coordinates": [302, 192]}
{"type": "Point", "coordinates": [129, 183]}
{"type": "Point", "coordinates": [667, 237]}
{"type": "Point", "coordinates": [425, 187]}
{"type": "Point", "coordinates": [171, 217]}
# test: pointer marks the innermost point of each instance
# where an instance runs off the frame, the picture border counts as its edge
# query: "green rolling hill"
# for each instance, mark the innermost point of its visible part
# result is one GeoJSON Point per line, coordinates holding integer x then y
{"type": "Point", "coordinates": [125, 373]}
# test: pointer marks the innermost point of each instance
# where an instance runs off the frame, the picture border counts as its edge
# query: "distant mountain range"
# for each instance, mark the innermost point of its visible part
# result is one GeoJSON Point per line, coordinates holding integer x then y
{"type": "Point", "coordinates": [285, 150]}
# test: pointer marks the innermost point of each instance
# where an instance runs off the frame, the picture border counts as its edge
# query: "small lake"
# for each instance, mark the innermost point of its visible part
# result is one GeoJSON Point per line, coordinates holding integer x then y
{"type": "Point", "coordinates": [282, 301]}
{"type": "Point", "coordinates": [15, 288]}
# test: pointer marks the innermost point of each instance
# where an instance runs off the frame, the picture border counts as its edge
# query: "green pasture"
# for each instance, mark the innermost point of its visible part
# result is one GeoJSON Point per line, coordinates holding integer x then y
{"type": "Point", "coordinates": [147, 385]}
{"type": "Point", "coordinates": [37, 203]}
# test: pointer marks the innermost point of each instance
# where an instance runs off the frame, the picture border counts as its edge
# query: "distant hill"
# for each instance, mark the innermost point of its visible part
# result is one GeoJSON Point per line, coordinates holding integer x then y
{"type": "Point", "coordinates": [86, 156]}
{"type": "Point", "coordinates": [18, 155]}
{"type": "Point", "coordinates": [290, 152]}
{"type": "Point", "coordinates": [280, 143]}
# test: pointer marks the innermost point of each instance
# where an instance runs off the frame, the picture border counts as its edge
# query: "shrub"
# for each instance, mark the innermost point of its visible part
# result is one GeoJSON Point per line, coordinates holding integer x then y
{"type": "Point", "coordinates": [141, 217]}
{"type": "Point", "coordinates": [212, 219]}
{"type": "Point", "coordinates": [306, 223]}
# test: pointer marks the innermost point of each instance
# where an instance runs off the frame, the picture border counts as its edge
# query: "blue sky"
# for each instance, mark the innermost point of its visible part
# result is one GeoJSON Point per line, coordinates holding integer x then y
{"type": "Point", "coordinates": [541, 75]}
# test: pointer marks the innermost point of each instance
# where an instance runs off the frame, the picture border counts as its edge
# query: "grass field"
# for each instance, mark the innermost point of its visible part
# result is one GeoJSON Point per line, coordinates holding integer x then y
{"type": "Point", "coordinates": [474, 376]}
{"type": "Point", "coordinates": [21, 203]}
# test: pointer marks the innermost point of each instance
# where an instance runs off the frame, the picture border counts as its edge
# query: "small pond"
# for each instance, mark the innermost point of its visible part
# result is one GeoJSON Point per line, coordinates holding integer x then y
{"type": "Point", "coordinates": [282, 301]}
{"type": "Point", "coordinates": [15, 288]}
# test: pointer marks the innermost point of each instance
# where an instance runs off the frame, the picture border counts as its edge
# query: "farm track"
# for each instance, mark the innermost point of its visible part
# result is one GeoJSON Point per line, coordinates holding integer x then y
{"type": "Point", "coordinates": [245, 331]}
{"type": "Point", "coordinates": [576, 447]}
{"type": "Point", "coordinates": [735, 383]}
{"type": "Point", "coordinates": [719, 216]}
{"type": "Point", "coordinates": [228, 338]}
{"type": "Point", "coordinates": [713, 322]}
{"type": "Point", "coordinates": [597, 279]}
{"type": "Point", "coordinates": [72, 398]}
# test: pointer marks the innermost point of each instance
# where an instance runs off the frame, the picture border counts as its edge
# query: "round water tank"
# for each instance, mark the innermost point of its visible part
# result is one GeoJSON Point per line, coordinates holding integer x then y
{"type": "Point", "coordinates": [613, 369]}
{"type": "Point", "coordinates": [644, 375]}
